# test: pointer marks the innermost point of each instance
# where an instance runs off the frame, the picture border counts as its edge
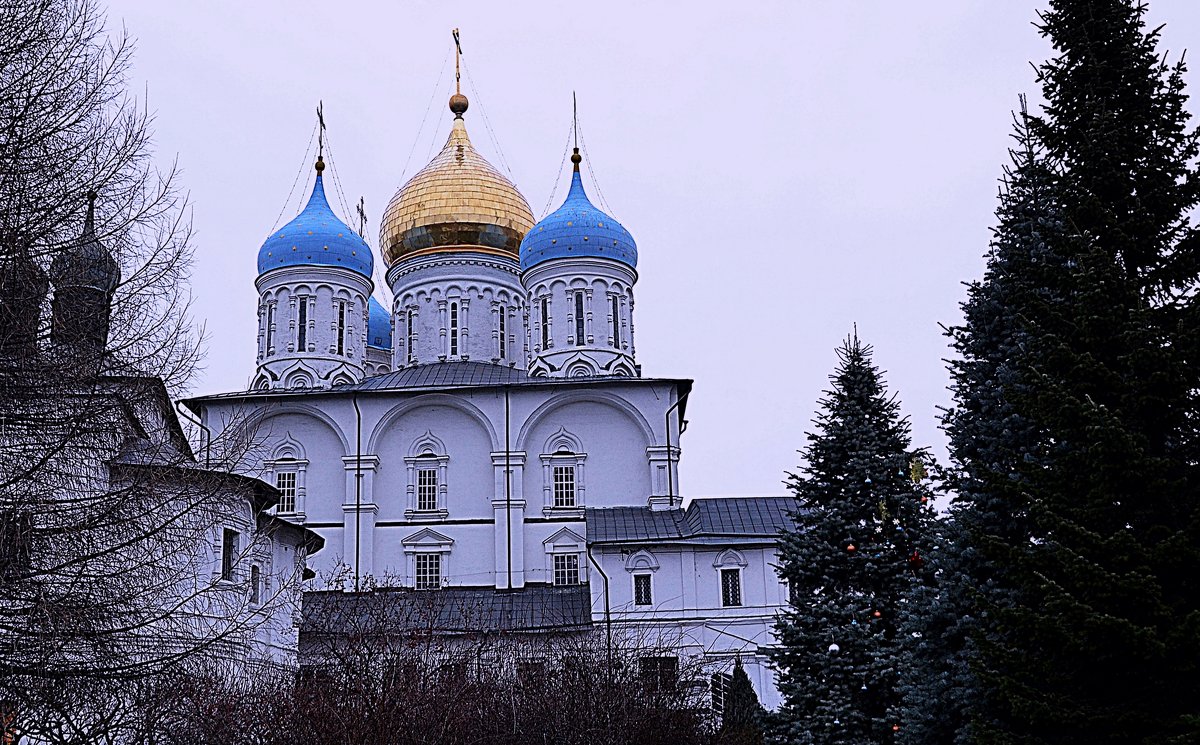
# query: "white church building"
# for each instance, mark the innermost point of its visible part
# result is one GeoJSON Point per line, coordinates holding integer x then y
{"type": "Point", "coordinates": [492, 432]}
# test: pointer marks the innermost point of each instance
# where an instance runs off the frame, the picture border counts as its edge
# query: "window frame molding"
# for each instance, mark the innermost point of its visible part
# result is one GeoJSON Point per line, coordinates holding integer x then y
{"type": "Point", "coordinates": [642, 563]}
{"type": "Point", "coordinates": [289, 457]}
{"type": "Point", "coordinates": [561, 449]}
{"type": "Point", "coordinates": [565, 542]}
{"type": "Point", "coordinates": [726, 560]}
{"type": "Point", "coordinates": [427, 450]}
{"type": "Point", "coordinates": [426, 541]}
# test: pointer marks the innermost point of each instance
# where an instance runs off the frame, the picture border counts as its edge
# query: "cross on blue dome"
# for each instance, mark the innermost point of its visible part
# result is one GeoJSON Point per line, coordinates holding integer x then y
{"type": "Point", "coordinates": [316, 237]}
{"type": "Point", "coordinates": [577, 228]}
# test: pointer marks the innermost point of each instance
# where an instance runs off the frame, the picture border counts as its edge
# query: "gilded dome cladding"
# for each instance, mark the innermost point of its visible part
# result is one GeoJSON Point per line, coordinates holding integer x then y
{"type": "Point", "coordinates": [458, 200]}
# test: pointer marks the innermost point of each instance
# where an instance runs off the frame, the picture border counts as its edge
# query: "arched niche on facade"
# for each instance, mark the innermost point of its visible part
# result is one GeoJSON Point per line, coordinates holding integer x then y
{"type": "Point", "coordinates": [397, 412]}
{"type": "Point", "coordinates": [641, 561]}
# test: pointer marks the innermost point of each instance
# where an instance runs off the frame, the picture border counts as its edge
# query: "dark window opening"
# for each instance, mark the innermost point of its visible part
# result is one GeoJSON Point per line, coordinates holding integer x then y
{"type": "Point", "coordinates": [616, 321]}
{"type": "Point", "coordinates": [731, 587]}
{"type": "Point", "coordinates": [302, 325]}
{"type": "Point", "coordinates": [641, 590]}
{"type": "Point", "coordinates": [229, 550]}
{"type": "Point", "coordinates": [580, 337]}
{"type": "Point", "coordinates": [545, 323]}
{"type": "Point", "coordinates": [341, 340]}
{"type": "Point", "coordinates": [503, 333]}
{"type": "Point", "coordinates": [658, 673]}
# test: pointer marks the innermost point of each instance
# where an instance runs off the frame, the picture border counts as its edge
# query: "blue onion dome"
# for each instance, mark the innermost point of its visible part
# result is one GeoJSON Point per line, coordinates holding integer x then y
{"type": "Point", "coordinates": [379, 325]}
{"type": "Point", "coordinates": [316, 237]}
{"type": "Point", "coordinates": [86, 263]}
{"type": "Point", "coordinates": [577, 228]}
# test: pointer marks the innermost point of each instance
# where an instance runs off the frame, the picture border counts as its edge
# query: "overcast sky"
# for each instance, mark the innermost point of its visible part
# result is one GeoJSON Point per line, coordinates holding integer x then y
{"type": "Point", "coordinates": [788, 169]}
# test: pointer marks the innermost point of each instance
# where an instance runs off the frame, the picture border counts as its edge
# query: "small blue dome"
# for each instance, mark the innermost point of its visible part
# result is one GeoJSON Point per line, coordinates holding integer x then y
{"type": "Point", "coordinates": [316, 237]}
{"type": "Point", "coordinates": [379, 325]}
{"type": "Point", "coordinates": [577, 228]}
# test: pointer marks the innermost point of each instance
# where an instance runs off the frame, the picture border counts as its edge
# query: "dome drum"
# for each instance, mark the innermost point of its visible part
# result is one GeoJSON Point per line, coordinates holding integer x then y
{"type": "Point", "coordinates": [493, 238]}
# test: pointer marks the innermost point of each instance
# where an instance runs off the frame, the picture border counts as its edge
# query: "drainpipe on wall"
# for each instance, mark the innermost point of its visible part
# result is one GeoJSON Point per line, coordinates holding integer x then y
{"type": "Point", "coordinates": [670, 469]}
{"type": "Point", "coordinates": [508, 486]}
{"type": "Point", "coordinates": [196, 421]}
{"type": "Point", "coordinates": [357, 486]}
{"type": "Point", "coordinates": [607, 605]}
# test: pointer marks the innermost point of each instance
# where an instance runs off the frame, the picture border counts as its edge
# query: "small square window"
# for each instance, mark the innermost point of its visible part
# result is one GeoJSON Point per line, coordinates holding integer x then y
{"type": "Point", "coordinates": [731, 587]}
{"type": "Point", "coordinates": [429, 571]}
{"type": "Point", "coordinates": [641, 590]}
{"type": "Point", "coordinates": [427, 489]}
{"type": "Point", "coordinates": [566, 569]}
{"type": "Point", "coordinates": [564, 486]}
{"type": "Point", "coordinates": [285, 482]}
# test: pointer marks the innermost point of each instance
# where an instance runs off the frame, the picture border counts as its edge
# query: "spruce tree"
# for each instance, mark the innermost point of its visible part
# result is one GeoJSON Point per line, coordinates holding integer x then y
{"type": "Point", "coordinates": [993, 444]}
{"type": "Point", "coordinates": [863, 520]}
{"type": "Point", "coordinates": [743, 717]}
{"type": "Point", "coordinates": [1073, 436]}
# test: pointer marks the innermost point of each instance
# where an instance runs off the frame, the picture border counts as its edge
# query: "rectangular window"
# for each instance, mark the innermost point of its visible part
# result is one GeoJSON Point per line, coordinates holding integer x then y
{"type": "Point", "coordinates": [411, 332]}
{"type": "Point", "coordinates": [531, 672]}
{"type": "Point", "coordinates": [16, 540]}
{"type": "Point", "coordinates": [453, 329]}
{"type": "Point", "coordinates": [566, 569]}
{"type": "Point", "coordinates": [229, 551]}
{"type": "Point", "coordinates": [427, 489]}
{"type": "Point", "coordinates": [270, 327]}
{"type": "Point", "coordinates": [564, 486]}
{"type": "Point", "coordinates": [503, 339]}
{"type": "Point", "coordinates": [616, 321]}
{"type": "Point", "coordinates": [285, 482]}
{"type": "Point", "coordinates": [302, 324]}
{"type": "Point", "coordinates": [545, 323]}
{"type": "Point", "coordinates": [580, 335]}
{"type": "Point", "coordinates": [255, 584]}
{"type": "Point", "coordinates": [719, 688]}
{"type": "Point", "coordinates": [731, 587]}
{"type": "Point", "coordinates": [641, 590]}
{"type": "Point", "coordinates": [341, 331]}
{"type": "Point", "coordinates": [658, 673]}
{"type": "Point", "coordinates": [429, 571]}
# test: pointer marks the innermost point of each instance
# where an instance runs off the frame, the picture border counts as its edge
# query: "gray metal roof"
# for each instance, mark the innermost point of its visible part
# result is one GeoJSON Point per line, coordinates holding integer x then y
{"type": "Point", "coordinates": [441, 376]}
{"type": "Point", "coordinates": [445, 374]}
{"type": "Point", "coordinates": [730, 517]}
{"type": "Point", "coordinates": [448, 610]}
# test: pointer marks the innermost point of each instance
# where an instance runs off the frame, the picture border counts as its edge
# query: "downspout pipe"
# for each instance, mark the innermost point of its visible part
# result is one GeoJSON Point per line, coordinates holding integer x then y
{"type": "Point", "coordinates": [357, 488]}
{"type": "Point", "coordinates": [670, 468]}
{"type": "Point", "coordinates": [196, 421]}
{"type": "Point", "coordinates": [508, 484]}
{"type": "Point", "coordinates": [607, 604]}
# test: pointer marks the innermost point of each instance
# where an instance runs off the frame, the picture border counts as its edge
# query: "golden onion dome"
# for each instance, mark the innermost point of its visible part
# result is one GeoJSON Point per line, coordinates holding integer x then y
{"type": "Point", "coordinates": [459, 201]}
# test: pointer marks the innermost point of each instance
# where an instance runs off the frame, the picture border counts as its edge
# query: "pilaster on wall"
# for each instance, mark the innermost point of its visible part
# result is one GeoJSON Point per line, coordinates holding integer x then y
{"type": "Point", "coordinates": [358, 514]}
{"type": "Point", "coordinates": [664, 476]}
{"type": "Point", "coordinates": [508, 508]}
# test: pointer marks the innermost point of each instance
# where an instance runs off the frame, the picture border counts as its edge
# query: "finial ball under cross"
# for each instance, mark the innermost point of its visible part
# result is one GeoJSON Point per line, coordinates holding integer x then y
{"type": "Point", "coordinates": [458, 104]}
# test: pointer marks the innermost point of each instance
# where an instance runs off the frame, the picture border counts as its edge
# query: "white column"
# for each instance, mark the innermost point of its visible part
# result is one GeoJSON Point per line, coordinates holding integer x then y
{"type": "Point", "coordinates": [508, 509]}
{"type": "Point", "coordinates": [358, 514]}
{"type": "Point", "coordinates": [444, 341]}
{"type": "Point", "coordinates": [587, 297]}
{"type": "Point", "coordinates": [495, 354]}
{"type": "Point", "coordinates": [464, 334]}
{"type": "Point", "coordinates": [663, 462]}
